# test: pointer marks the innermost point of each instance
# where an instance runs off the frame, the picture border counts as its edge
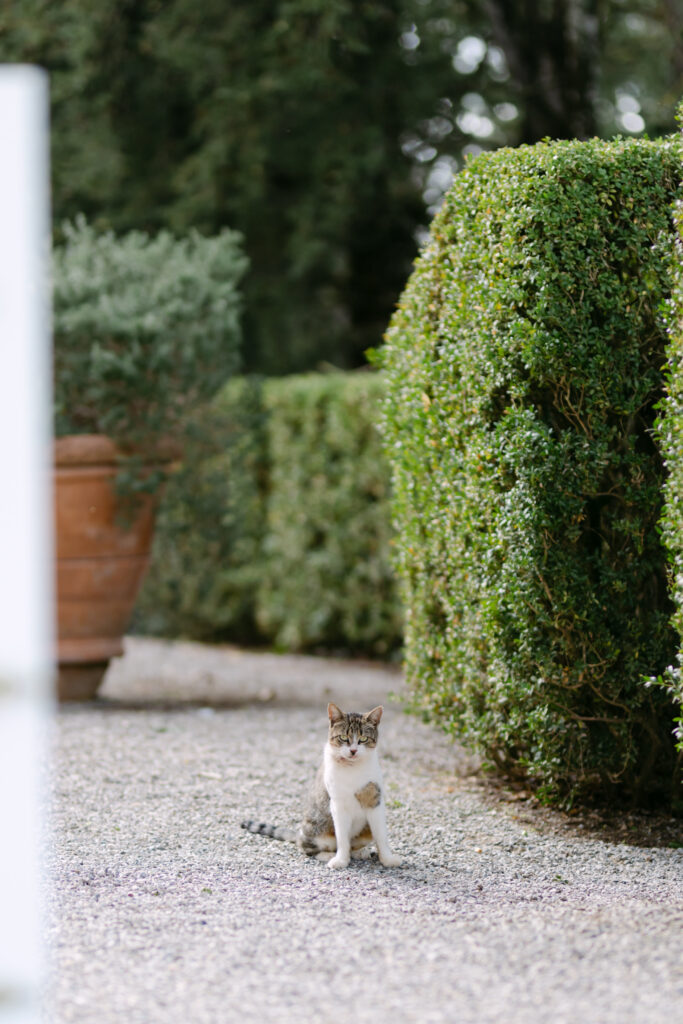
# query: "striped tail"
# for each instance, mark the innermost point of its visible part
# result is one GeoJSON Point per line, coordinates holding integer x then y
{"type": "Point", "coordinates": [287, 835]}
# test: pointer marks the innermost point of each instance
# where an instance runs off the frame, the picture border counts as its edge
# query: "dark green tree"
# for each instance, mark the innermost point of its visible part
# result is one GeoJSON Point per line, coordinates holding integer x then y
{"type": "Point", "coordinates": [325, 130]}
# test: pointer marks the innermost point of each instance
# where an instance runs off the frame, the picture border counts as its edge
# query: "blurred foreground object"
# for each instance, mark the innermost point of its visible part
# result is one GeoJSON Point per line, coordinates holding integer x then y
{"type": "Point", "coordinates": [25, 588]}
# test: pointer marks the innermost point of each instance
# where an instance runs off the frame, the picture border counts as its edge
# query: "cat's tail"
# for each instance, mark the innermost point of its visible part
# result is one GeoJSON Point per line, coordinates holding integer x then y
{"type": "Point", "coordinates": [287, 835]}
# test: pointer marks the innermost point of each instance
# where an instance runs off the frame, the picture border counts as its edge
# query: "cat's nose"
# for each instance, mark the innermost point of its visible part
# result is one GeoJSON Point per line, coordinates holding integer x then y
{"type": "Point", "coordinates": [353, 751]}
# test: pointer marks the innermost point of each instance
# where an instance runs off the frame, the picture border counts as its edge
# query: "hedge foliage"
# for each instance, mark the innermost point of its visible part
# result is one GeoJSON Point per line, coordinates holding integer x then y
{"type": "Point", "coordinates": [207, 555]}
{"type": "Point", "coordinates": [327, 580]}
{"type": "Point", "coordinates": [282, 535]}
{"type": "Point", "coordinates": [670, 433]}
{"type": "Point", "coordinates": [524, 364]}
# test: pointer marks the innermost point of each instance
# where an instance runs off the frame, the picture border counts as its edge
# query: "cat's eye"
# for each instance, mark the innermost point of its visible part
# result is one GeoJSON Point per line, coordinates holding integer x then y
{"type": "Point", "coordinates": [363, 739]}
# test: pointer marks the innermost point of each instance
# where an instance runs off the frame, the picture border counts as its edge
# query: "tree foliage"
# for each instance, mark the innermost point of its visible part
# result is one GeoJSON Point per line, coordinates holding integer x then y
{"type": "Point", "coordinates": [326, 131]}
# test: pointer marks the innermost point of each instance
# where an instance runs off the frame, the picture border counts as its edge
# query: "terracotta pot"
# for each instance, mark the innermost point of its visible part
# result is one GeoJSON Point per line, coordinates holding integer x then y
{"type": "Point", "coordinates": [100, 564]}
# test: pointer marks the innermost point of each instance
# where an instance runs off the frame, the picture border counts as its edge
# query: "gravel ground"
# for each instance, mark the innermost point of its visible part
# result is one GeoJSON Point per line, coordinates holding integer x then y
{"type": "Point", "coordinates": [164, 910]}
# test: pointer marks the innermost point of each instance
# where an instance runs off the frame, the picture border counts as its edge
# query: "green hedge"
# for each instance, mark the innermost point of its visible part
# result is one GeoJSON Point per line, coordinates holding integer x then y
{"type": "Point", "coordinates": [207, 556]}
{"type": "Point", "coordinates": [327, 579]}
{"type": "Point", "coordinates": [670, 433]}
{"type": "Point", "coordinates": [281, 535]}
{"type": "Point", "coordinates": [524, 364]}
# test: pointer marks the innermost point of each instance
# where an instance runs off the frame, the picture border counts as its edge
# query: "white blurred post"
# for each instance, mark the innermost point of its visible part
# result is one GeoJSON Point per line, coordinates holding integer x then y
{"type": "Point", "coordinates": [25, 531]}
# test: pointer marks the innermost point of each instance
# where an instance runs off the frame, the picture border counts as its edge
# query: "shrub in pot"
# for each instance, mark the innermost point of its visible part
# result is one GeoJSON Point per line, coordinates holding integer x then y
{"type": "Point", "coordinates": [146, 328]}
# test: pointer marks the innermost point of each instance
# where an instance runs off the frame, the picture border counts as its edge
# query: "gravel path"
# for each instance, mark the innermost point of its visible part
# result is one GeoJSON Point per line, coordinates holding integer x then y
{"type": "Point", "coordinates": [164, 910]}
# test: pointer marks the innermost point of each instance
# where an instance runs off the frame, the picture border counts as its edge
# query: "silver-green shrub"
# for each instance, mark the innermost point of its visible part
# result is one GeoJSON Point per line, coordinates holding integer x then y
{"type": "Point", "coordinates": [145, 328]}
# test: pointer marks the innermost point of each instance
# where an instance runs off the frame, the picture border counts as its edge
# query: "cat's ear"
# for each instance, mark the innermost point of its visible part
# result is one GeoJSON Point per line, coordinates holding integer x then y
{"type": "Point", "coordinates": [374, 715]}
{"type": "Point", "coordinates": [334, 713]}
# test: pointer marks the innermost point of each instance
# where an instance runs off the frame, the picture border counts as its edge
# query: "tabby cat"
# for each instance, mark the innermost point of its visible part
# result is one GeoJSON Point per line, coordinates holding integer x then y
{"type": "Point", "coordinates": [346, 808]}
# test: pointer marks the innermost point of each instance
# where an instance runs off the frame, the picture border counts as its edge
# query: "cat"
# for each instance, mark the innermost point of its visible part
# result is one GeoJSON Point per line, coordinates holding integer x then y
{"type": "Point", "coordinates": [346, 808]}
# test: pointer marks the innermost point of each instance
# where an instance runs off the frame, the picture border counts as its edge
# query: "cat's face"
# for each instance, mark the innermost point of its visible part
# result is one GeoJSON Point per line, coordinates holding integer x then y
{"type": "Point", "coordinates": [352, 736]}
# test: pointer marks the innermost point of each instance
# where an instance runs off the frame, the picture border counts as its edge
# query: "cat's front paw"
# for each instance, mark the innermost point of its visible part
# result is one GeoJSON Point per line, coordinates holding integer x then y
{"type": "Point", "coordinates": [338, 862]}
{"type": "Point", "coordinates": [390, 860]}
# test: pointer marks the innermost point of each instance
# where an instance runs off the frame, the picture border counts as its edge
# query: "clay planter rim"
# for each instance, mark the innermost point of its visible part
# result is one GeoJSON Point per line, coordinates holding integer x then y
{"type": "Point", "coordinates": [101, 450]}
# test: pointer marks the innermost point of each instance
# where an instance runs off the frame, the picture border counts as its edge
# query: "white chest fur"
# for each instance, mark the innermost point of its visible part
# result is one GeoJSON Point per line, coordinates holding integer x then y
{"type": "Point", "coordinates": [344, 779]}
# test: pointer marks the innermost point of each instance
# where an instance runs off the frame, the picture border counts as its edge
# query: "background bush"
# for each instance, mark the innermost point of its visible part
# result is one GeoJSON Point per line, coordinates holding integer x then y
{"type": "Point", "coordinates": [327, 579]}
{"type": "Point", "coordinates": [145, 328]}
{"type": "Point", "coordinates": [524, 364]}
{"type": "Point", "coordinates": [282, 534]}
{"type": "Point", "coordinates": [207, 559]}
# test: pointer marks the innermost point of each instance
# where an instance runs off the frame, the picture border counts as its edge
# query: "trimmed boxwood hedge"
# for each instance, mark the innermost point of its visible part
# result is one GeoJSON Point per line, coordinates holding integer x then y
{"type": "Point", "coordinates": [327, 578]}
{"type": "Point", "coordinates": [280, 534]}
{"type": "Point", "coordinates": [524, 364]}
{"type": "Point", "coordinates": [670, 432]}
